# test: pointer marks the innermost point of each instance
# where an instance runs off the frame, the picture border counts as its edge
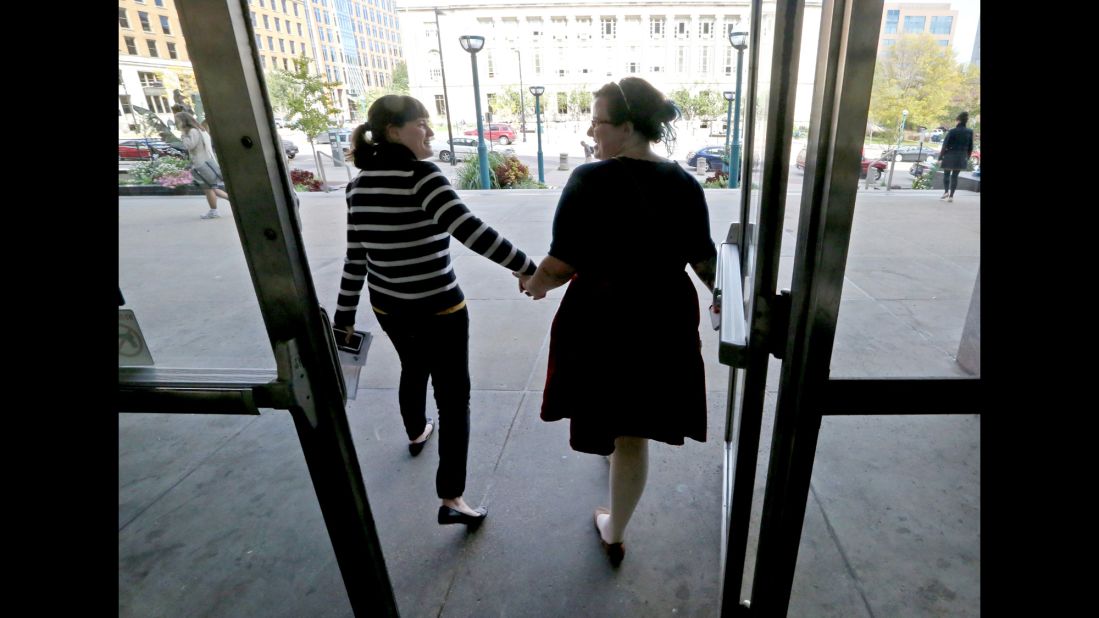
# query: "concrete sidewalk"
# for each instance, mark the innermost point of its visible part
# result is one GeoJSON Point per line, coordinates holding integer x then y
{"type": "Point", "coordinates": [218, 517]}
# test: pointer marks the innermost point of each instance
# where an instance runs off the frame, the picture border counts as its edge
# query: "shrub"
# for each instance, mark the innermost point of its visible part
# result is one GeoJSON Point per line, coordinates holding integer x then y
{"type": "Point", "coordinates": [719, 180]}
{"type": "Point", "coordinates": [504, 172]}
{"type": "Point", "coordinates": [304, 181]}
{"type": "Point", "coordinates": [926, 180]}
{"type": "Point", "coordinates": [147, 172]}
{"type": "Point", "coordinates": [176, 179]}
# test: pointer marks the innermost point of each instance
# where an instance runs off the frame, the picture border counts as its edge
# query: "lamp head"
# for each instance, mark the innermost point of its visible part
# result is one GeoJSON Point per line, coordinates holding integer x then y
{"type": "Point", "coordinates": [537, 90]}
{"type": "Point", "coordinates": [728, 95]}
{"type": "Point", "coordinates": [472, 43]}
{"type": "Point", "coordinates": [739, 40]}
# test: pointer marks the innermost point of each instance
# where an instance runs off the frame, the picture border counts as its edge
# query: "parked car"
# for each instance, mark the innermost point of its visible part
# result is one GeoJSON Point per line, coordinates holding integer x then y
{"type": "Point", "coordinates": [878, 166]}
{"type": "Point", "coordinates": [325, 136]}
{"type": "Point", "coordinates": [502, 133]}
{"type": "Point", "coordinates": [280, 122]}
{"type": "Point", "coordinates": [289, 147]}
{"type": "Point", "coordinates": [713, 155]}
{"type": "Point", "coordinates": [462, 148]}
{"type": "Point", "coordinates": [911, 153]}
{"type": "Point", "coordinates": [137, 149]}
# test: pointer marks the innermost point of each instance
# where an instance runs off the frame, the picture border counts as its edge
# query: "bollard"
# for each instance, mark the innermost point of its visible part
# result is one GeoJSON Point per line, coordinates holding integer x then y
{"type": "Point", "coordinates": [700, 167]}
{"type": "Point", "coordinates": [564, 161]}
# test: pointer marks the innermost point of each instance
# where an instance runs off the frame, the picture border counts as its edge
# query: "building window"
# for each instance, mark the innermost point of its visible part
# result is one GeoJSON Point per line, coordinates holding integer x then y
{"type": "Point", "coordinates": [266, 23]}
{"type": "Point", "coordinates": [435, 73]}
{"type": "Point", "coordinates": [681, 59]}
{"type": "Point", "coordinates": [608, 27]}
{"type": "Point", "coordinates": [728, 61]}
{"type": "Point", "coordinates": [278, 25]}
{"type": "Point", "coordinates": [259, 42]}
{"type": "Point", "coordinates": [537, 63]}
{"type": "Point", "coordinates": [295, 10]}
{"type": "Point", "coordinates": [656, 27]}
{"type": "Point", "coordinates": [941, 24]}
{"type": "Point", "coordinates": [152, 48]}
{"type": "Point", "coordinates": [124, 99]}
{"type": "Point", "coordinates": [681, 31]}
{"type": "Point", "coordinates": [914, 24]}
{"type": "Point", "coordinates": [889, 42]}
{"type": "Point", "coordinates": [131, 46]}
{"type": "Point", "coordinates": [122, 21]}
{"type": "Point", "coordinates": [157, 103]}
{"type": "Point", "coordinates": [149, 79]}
{"type": "Point", "coordinates": [159, 3]}
{"type": "Point", "coordinates": [299, 25]}
{"type": "Point", "coordinates": [557, 27]}
{"type": "Point", "coordinates": [172, 51]}
{"type": "Point", "coordinates": [293, 49]}
{"type": "Point", "coordinates": [285, 11]}
{"type": "Point", "coordinates": [263, 61]}
{"type": "Point", "coordinates": [656, 69]}
{"type": "Point", "coordinates": [491, 65]}
{"type": "Point", "coordinates": [143, 17]}
{"type": "Point", "coordinates": [631, 67]}
{"type": "Point", "coordinates": [944, 42]}
{"type": "Point", "coordinates": [285, 65]}
{"type": "Point", "coordinates": [271, 43]}
{"type": "Point", "coordinates": [562, 103]}
{"type": "Point", "coordinates": [583, 27]}
{"type": "Point", "coordinates": [704, 60]}
{"type": "Point", "coordinates": [891, 19]}
{"type": "Point", "coordinates": [164, 24]}
{"type": "Point", "coordinates": [706, 29]}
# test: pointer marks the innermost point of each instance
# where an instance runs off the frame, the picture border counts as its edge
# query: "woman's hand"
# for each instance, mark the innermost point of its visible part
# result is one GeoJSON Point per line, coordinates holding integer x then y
{"type": "Point", "coordinates": [523, 280]}
{"type": "Point", "coordinates": [348, 332]}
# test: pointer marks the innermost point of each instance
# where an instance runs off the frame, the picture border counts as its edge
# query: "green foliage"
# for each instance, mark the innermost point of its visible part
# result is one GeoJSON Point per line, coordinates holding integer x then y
{"type": "Point", "coordinates": [915, 74]}
{"type": "Point", "coordinates": [708, 104]}
{"type": "Point", "coordinates": [504, 172]}
{"type": "Point", "coordinates": [924, 181]}
{"type": "Point", "coordinates": [720, 180]}
{"type": "Point", "coordinates": [685, 102]}
{"type": "Point", "coordinates": [579, 100]}
{"type": "Point", "coordinates": [279, 88]}
{"type": "Point", "coordinates": [147, 172]}
{"type": "Point", "coordinates": [307, 103]}
{"type": "Point", "coordinates": [368, 98]}
{"type": "Point", "coordinates": [400, 78]}
{"type": "Point", "coordinates": [967, 98]}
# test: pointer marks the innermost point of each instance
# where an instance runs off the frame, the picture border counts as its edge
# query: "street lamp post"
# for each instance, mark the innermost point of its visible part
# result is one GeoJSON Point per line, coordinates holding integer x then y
{"type": "Point", "coordinates": [474, 44]}
{"type": "Point", "coordinates": [729, 95]}
{"type": "Point", "coordinates": [739, 41]}
{"type": "Point", "coordinates": [446, 98]}
{"type": "Point", "coordinates": [896, 153]}
{"type": "Point", "coordinates": [537, 92]}
{"type": "Point", "coordinates": [522, 104]}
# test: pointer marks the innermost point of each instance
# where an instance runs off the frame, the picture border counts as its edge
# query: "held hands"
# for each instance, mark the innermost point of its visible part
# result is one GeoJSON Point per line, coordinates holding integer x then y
{"type": "Point", "coordinates": [348, 331]}
{"type": "Point", "coordinates": [524, 286]}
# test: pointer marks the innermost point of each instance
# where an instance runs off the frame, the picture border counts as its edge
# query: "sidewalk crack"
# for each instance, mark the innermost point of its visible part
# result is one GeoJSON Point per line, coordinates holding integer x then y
{"type": "Point", "coordinates": [839, 546]}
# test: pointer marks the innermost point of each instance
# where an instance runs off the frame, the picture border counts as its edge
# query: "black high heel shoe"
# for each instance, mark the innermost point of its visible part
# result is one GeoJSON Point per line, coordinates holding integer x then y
{"type": "Point", "coordinates": [414, 448]}
{"type": "Point", "coordinates": [448, 515]}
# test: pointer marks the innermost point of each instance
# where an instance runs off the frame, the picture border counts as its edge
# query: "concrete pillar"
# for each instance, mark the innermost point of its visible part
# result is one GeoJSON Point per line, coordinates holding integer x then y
{"type": "Point", "coordinates": [969, 350]}
{"type": "Point", "coordinates": [564, 161]}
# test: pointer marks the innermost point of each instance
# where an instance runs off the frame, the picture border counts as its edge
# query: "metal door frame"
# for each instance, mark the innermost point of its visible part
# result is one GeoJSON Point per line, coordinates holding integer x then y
{"type": "Point", "coordinates": [799, 326]}
{"type": "Point", "coordinates": [309, 382]}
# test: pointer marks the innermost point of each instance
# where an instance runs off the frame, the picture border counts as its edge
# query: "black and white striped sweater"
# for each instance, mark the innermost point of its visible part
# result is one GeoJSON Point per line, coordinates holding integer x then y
{"type": "Point", "coordinates": [401, 214]}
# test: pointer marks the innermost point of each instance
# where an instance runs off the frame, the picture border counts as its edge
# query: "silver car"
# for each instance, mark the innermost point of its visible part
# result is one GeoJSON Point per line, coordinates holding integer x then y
{"type": "Point", "coordinates": [466, 148]}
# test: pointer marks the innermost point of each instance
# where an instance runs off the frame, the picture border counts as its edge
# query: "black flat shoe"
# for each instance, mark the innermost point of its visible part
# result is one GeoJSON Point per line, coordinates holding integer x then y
{"type": "Point", "coordinates": [615, 551]}
{"type": "Point", "coordinates": [414, 448]}
{"type": "Point", "coordinates": [448, 515]}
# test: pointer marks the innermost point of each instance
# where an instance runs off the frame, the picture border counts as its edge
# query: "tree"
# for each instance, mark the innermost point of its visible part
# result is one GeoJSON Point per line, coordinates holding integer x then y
{"type": "Point", "coordinates": [279, 87]}
{"type": "Point", "coordinates": [400, 78]}
{"type": "Point", "coordinates": [708, 104]}
{"type": "Point", "coordinates": [307, 102]}
{"type": "Point", "coordinates": [685, 102]}
{"type": "Point", "coordinates": [506, 103]}
{"type": "Point", "coordinates": [967, 98]}
{"type": "Point", "coordinates": [579, 100]}
{"type": "Point", "coordinates": [915, 74]}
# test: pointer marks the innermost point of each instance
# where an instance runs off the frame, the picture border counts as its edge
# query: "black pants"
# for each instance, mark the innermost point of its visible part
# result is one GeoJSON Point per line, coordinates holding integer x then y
{"type": "Point", "coordinates": [436, 346]}
{"type": "Point", "coordinates": [950, 181]}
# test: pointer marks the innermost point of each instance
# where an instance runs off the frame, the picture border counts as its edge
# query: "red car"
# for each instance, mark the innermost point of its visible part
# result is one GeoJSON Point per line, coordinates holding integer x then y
{"type": "Point", "coordinates": [880, 166]}
{"type": "Point", "coordinates": [502, 133]}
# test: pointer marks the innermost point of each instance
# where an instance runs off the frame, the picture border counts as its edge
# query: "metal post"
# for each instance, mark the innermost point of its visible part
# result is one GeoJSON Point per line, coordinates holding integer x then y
{"type": "Point", "coordinates": [734, 159]}
{"type": "Point", "coordinates": [893, 163]}
{"type": "Point", "coordinates": [446, 98]}
{"type": "Point", "coordinates": [482, 152]}
{"type": "Point", "coordinates": [522, 104]}
{"type": "Point", "coordinates": [538, 122]}
{"type": "Point", "coordinates": [728, 132]}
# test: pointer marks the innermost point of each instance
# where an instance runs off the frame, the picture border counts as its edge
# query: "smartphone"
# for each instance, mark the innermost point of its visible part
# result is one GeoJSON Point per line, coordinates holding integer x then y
{"type": "Point", "coordinates": [356, 344]}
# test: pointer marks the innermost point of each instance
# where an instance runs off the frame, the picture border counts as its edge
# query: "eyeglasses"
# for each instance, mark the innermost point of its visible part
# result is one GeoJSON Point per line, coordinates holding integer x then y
{"type": "Point", "coordinates": [596, 121]}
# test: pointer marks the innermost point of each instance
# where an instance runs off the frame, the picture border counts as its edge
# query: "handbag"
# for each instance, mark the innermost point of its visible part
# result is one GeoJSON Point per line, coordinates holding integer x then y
{"type": "Point", "coordinates": [209, 172]}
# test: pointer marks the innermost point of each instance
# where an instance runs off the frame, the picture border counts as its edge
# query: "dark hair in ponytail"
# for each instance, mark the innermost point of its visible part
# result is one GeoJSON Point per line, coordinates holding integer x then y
{"type": "Point", "coordinates": [387, 111]}
{"type": "Point", "coordinates": [636, 100]}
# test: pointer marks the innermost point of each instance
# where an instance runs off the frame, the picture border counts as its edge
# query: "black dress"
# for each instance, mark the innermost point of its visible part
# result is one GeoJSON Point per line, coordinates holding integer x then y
{"type": "Point", "coordinates": [957, 146]}
{"type": "Point", "coordinates": [625, 356]}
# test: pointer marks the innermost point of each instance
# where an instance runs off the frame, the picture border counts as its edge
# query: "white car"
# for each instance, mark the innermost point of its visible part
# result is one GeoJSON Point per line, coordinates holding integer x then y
{"type": "Point", "coordinates": [465, 148]}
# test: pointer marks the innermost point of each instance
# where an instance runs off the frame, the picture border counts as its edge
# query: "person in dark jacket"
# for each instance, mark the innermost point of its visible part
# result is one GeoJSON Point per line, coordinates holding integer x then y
{"type": "Point", "coordinates": [954, 156]}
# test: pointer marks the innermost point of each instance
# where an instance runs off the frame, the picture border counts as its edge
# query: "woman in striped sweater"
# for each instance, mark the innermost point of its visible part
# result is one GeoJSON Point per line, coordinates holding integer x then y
{"type": "Point", "coordinates": [401, 213]}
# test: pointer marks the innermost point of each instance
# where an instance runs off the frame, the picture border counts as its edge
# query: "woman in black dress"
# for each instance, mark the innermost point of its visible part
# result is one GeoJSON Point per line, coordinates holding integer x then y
{"type": "Point", "coordinates": [954, 156]}
{"type": "Point", "coordinates": [625, 361]}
